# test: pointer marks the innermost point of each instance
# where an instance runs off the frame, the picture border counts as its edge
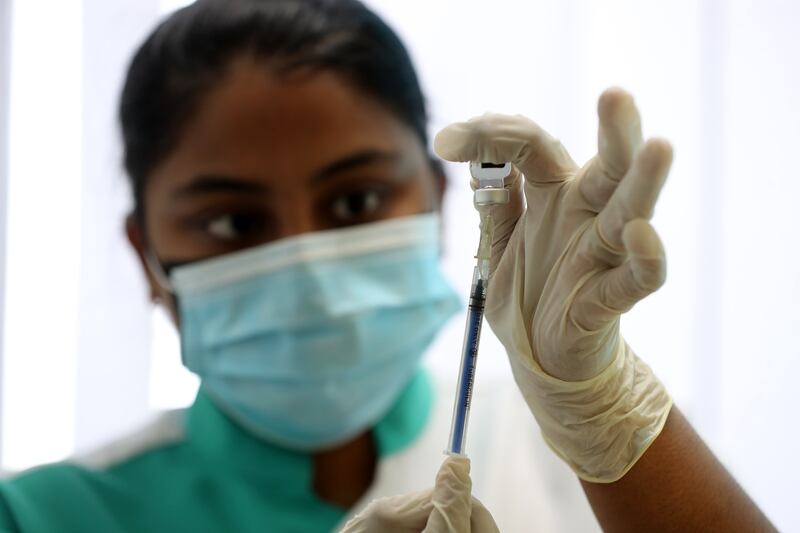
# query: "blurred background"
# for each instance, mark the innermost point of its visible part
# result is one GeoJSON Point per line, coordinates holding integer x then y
{"type": "Point", "coordinates": [84, 357]}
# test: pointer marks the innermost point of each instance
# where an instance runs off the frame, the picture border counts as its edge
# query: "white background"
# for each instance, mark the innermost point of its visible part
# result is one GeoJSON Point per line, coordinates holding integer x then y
{"type": "Point", "coordinates": [84, 357]}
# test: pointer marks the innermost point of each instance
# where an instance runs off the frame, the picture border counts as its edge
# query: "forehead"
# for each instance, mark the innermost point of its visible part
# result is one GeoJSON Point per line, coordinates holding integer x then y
{"type": "Point", "coordinates": [291, 123]}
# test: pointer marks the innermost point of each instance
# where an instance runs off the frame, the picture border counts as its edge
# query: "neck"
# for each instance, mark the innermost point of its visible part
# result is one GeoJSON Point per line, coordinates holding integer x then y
{"type": "Point", "coordinates": [343, 474]}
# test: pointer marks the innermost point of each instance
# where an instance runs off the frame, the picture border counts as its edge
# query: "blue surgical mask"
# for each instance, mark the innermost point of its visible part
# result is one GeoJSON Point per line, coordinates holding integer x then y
{"type": "Point", "coordinates": [308, 341]}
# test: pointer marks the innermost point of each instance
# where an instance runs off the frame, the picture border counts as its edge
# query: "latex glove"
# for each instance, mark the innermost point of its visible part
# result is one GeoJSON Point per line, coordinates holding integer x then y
{"type": "Point", "coordinates": [447, 508]}
{"type": "Point", "coordinates": [564, 268]}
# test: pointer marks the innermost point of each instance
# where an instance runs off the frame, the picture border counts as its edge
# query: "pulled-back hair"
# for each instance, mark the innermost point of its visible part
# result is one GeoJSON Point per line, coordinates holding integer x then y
{"type": "Point", "coordinates": [188, 53]}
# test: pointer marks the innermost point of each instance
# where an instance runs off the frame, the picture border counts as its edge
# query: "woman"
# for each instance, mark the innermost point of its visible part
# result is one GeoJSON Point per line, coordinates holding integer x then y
{"type": "Point", "coordinates": [286, 216]}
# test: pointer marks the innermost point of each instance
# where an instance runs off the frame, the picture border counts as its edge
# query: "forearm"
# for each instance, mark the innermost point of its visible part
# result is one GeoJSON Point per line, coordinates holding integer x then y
{"type": "Point", "coordinates": [677, 485]}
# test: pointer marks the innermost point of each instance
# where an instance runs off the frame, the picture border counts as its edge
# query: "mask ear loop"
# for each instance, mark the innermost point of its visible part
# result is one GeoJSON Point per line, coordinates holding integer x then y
{"type": "Point", "coordinates": [157, 270]}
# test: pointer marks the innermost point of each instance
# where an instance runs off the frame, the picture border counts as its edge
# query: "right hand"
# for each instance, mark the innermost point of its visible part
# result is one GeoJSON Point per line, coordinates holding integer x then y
{"type": "Point", "coordinates": [447, 508]}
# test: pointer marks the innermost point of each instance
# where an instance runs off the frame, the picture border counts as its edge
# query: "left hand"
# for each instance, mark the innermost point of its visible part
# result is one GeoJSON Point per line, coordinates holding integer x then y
{"type": "Point", "coordinates": [574, 247]}
{"type": "Point", "coordinates": [447, 508]}
{"type": "Point", "coordinates": [572, 251]}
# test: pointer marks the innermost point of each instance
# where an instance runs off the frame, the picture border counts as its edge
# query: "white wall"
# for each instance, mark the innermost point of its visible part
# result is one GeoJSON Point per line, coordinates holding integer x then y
{"type": "Point", "coordinates": [114, 335]}
{"type": "Point", "coordinates": [77, 334]}
{"type": "Point", "coordinates": [85, 357]}
{"type": "Point", "coordinates": [43, 233]}
{"type": "Point", "coordinates": [759, 364]}
{"type": "Point", "coordinates": [5, 44]}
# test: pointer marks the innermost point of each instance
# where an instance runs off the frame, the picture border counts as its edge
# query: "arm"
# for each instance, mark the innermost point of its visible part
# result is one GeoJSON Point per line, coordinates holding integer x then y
{"type": "Point", "coordinates": [573, 250]}
{"type": "Point", "coordinates": [677, 485]}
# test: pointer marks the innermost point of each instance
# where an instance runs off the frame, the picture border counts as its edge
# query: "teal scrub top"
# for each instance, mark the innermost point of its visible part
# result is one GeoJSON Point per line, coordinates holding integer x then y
{"type": "Point", "coordinates": [217, 478]}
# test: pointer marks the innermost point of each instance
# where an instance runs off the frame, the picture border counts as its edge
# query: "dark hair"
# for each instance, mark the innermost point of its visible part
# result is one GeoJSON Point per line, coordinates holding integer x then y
{"type": "Point", "coordinates": [188, 53]}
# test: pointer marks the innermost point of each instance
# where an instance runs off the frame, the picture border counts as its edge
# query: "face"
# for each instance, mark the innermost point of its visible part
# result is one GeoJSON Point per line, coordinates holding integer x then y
{"type": "Point", "coordinates": [269, 156]}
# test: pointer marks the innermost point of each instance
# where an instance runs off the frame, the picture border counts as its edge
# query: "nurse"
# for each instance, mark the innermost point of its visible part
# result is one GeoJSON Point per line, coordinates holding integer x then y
{"type": "Point", "coordinates": [286, 216]}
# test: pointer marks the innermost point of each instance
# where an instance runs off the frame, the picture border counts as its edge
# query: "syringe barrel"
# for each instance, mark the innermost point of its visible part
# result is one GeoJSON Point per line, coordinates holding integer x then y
{"type": "Point", "coordinates": [469, 356]}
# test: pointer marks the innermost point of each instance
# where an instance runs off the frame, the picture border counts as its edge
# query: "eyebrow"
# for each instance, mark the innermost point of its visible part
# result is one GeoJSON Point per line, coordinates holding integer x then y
{"type": "Point", "coordinates": [355, 160]}
{"type": "Point", "coordinates": [214, 183]}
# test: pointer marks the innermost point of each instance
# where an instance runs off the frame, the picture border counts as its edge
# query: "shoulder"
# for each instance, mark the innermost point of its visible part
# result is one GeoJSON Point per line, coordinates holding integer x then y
{"type": "Point", "coordinates": [85, 481]}
{"type": "Point", "coordinates": [165, 430]}
{"type": "Point", "coordinates": [162, 430]}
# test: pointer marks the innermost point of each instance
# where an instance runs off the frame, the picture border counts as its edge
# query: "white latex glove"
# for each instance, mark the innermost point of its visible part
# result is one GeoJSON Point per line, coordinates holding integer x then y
{"type": "Point", "coordinates": [447, 508]}
{"type": "Point", "coordinates": [563, 271]}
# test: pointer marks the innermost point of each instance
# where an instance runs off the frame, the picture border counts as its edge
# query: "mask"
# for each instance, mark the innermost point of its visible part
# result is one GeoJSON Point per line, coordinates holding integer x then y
{"type": "Point", "coordinates": [308, 341]}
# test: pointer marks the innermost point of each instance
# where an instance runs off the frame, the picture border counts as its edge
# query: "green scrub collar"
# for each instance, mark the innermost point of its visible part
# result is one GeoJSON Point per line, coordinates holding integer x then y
{"type": "Point", "coordinates": [226, 445]}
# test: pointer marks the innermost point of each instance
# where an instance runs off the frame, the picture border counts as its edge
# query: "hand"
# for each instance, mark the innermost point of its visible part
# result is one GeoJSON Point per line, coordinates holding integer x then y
{"type": "Point", "coordinates": [572, 251]}
{"type": "Point", "coordinates": [583, 252]}
{"type": "Point", "coordinates": [447, 508]}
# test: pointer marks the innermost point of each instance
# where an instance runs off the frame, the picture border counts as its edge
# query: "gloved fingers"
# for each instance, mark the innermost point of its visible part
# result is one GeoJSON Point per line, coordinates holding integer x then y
{"type": "Point", "coordinates": [617, 290]}
{"type": "Point", "coordinates": [481, 520]}
{"type": "Point", "coordinates": [636, 195]}
{"type": "Point", "coordinates": [596, 249]}
{"type": "Point", "coordinates": [451, 498]}
{"type": "Point", "coordinates": [401, 514]}
{"type": "Point", "coordinates": [618, 136]}
{"type": "Point", "coordinates": [504, 138]}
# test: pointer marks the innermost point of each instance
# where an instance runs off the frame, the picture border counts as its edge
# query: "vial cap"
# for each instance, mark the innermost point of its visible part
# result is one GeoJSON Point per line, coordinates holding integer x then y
{"type": "Point", "coordinates": [491, 196]}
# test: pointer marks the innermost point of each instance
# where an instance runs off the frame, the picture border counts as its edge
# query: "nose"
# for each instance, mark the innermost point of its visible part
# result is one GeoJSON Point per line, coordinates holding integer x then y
{"type": "Point", "coordinates": [297, 218]}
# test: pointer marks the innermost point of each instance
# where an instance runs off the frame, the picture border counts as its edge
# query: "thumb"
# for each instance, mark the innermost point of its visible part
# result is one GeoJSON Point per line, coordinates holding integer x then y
{"type": "Point", "coordinates": [451, 498]}
{"type": "Point", "coordinates": [406, 513]}
{"type": "Point", "coordinates": [504, 216]}
{"type": "Point", "coordinates": [481, 520]}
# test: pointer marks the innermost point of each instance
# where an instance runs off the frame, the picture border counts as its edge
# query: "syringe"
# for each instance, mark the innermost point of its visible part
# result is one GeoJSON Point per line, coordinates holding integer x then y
{"type": "Point", "coordinates": [489, 191]}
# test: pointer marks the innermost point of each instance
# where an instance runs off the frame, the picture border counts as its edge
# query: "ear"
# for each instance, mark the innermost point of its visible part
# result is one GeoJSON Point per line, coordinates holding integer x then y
{"type": "Point", "coordinates": [135, 234]}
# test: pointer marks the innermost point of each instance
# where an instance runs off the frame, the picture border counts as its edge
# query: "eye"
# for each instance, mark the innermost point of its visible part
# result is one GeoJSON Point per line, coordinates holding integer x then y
{"type": "Point", "coordinates": [233, 226]}
{"type": "Point", "coordinates": [358, 204]}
